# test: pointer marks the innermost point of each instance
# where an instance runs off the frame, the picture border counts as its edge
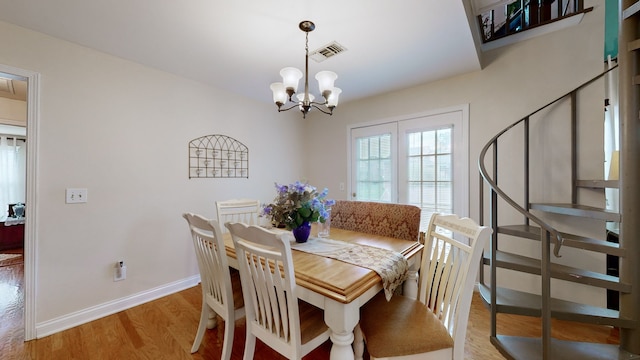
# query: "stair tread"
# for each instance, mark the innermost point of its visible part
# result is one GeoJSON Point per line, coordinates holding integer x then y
{"type": "Point", "coordinates": [528, 348]}
{"type": "Point", "coordinates": [578, 210]}
{"type": "Point", "coordinates": [570, 240]}
{"type": "Point", "coordinates": [529, 265]}
{"type": "Point", "coordinates": [600, 184]}
{"type": "Point", "coordinates": [522, 303]}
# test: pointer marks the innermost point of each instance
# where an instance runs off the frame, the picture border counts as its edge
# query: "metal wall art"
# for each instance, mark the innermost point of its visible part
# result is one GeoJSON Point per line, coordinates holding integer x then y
{"type": "Point", "coordinates": [218, 156]}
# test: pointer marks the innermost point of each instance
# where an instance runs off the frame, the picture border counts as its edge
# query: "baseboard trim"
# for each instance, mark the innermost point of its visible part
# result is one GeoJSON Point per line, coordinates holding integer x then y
{"type": "Point", "coordinates": [74, 319]}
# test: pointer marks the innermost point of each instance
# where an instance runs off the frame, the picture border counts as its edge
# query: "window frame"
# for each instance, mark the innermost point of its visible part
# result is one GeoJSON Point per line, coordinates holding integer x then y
{"type": "Point", "coordinates": [427, 119]}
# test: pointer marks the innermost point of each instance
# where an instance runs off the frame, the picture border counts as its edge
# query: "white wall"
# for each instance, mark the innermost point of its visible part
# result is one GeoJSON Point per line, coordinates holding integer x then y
{"type": "Point", "coordinates": [121, 130]}
{"type": "Point", "coordinates": [515, 81]}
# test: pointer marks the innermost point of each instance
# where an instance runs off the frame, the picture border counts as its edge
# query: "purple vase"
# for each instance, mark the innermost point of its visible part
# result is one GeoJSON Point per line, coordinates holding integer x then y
{"type": "Point", "coordinates": [301, 233]}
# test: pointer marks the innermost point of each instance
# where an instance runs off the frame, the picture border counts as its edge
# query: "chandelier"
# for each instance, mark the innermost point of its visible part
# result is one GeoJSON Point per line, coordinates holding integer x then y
{"type": "Point", "coordinates": [283, 91]}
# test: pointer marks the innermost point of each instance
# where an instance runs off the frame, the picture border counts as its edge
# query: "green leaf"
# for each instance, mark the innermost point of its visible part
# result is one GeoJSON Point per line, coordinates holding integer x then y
{"type": "Point", "coordinates": [304, 212]}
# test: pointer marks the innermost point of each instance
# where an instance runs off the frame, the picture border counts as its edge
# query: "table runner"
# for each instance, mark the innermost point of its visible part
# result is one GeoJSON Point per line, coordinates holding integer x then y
{"type": "Point", "coordinates": [390, 265]}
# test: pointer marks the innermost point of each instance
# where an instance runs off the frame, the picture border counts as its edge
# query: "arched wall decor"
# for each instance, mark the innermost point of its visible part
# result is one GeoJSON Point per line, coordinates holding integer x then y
{"type": "Point", "coordinates": [218, 156]}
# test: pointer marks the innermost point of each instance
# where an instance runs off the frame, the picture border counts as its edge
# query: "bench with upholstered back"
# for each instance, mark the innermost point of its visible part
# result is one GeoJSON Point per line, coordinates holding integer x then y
{"type": "Point", "coordinates": [394, 220]}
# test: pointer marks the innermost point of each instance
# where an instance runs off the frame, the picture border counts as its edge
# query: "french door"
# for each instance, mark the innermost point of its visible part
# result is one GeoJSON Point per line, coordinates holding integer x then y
{"type": "Point", "coordinates": [420, 160]}
{"type": "Point", "coordinates": [374, 165]}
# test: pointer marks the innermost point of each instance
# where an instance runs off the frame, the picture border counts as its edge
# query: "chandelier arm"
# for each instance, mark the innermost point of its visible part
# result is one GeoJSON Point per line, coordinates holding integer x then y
{"type": "Point", "coordinates": [321, 110]}
{"type": "Point", "coordinates": [289, 108]}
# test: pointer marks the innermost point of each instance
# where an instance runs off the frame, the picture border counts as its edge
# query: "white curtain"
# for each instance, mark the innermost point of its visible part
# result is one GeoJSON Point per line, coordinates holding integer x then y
{"type": "Point", "coordinates": [12, 174]}
{"type": "Point", "coordinates": [611, 132]}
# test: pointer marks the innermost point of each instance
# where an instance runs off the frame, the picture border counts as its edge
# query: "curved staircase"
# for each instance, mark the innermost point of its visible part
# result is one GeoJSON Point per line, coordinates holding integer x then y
{"type": "Point", "coordinates": [547, 231]}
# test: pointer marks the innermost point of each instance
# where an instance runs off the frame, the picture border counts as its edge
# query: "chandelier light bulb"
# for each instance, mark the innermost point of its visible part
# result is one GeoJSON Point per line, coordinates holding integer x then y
{"type": "Point", "coordinates": [279, 94]}
{"type": "Point", "coordinates": [332, 101]}
{"type": "Point", "coordinates": [325, 81]}
{"type": "Point", "coordinates": [290, 78]}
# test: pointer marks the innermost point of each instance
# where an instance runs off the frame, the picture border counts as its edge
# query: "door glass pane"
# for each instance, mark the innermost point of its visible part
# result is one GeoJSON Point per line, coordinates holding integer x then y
{"type": "Point", "coordinates": [414, 169]}
{"type": "Point", "coordinates": [444, 197]}
{"type": "Point", "coordinates": [429, 171]}
{"type": "Point", "coordinates": [444, 141]}
{"type": "Point", "coordinates": [385, 147]}
{"type": "Point", "coordinates": [363, 189]}
{"type": "Point", "coordinates": [374, 148]}
{"type": "Point", "coordinates": [415, 142]}
{"type": "Point", "coordinates": [429, 168]}
{"type": "Point", "coordinates": [363, 150]}
{"type": "Point", "coordinates": [428, 194]}
{"type": "Point", "coordinates": [363, 170]}
{"type": "Point", "coordinates": [444, 167]}
{"type": "Point", "coordinates": [428, 143]}
{"type": "Point", "coordinates": [374, 168]}
{"type": "Point", "coordinates": [415, 193]}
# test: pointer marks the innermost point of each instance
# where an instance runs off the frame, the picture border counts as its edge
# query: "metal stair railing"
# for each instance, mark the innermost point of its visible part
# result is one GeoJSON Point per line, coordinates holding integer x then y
{"type": "Point", "coordinates": [547, 232]}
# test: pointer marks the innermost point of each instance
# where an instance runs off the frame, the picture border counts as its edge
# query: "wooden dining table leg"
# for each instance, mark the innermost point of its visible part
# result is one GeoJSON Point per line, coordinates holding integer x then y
{"type": "Point", "coordinates": [341, 319]}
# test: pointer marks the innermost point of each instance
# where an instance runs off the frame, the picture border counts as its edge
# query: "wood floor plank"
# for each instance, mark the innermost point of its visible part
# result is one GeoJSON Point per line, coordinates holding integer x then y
{"type": "Point", "coordinates": [165, 329]}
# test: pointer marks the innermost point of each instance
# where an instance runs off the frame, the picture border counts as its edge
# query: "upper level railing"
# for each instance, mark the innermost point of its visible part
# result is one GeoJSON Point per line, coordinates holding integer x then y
{"type": "Point", "coordinates": [510, 17]}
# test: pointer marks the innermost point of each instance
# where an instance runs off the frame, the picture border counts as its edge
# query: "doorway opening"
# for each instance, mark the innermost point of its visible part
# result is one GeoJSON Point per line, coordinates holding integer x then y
{"type": "Point", "coordinates": [20, 89]}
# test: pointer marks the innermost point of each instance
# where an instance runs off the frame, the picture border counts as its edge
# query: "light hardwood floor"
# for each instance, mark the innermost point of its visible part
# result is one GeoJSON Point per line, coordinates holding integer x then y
{"type": "Point", "coordinates": [164, 329]}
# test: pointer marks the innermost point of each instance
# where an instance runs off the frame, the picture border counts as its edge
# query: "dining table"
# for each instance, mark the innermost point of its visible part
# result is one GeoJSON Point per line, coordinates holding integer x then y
{"type": "Point", "coordinates": [340, 288]}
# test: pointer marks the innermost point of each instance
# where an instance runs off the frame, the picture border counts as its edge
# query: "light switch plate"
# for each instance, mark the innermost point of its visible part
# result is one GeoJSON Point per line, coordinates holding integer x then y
{"type": "Point", "coordinates": [76, 196]}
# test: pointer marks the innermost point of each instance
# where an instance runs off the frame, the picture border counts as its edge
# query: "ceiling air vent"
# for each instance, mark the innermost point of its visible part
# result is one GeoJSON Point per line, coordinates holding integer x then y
{"type": "Point", "coordinates": [327, 51]}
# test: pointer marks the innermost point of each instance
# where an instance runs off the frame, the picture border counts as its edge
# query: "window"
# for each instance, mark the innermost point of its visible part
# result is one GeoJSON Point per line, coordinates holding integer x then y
{"type": "Point", "coordinates": [420, 160]}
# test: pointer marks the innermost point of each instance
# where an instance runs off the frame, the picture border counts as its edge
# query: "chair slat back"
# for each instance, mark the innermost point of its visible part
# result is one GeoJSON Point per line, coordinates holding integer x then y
{"type": "Point", "coordinates": [268, 285]}
{"type": "Point", "coordinates": [449, 270]}
{"type": "Point", "coordinates": [212, 262]}
{"type": "Point", "coordinates": [238, 210]}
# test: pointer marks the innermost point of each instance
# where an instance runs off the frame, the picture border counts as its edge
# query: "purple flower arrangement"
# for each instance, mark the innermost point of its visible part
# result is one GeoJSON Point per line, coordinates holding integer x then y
{"type": "Point", "coordinates": [296, 204]}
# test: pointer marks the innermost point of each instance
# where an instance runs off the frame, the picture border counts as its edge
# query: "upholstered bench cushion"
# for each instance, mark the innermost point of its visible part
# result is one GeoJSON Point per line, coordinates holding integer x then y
{"type": "Point", "coordinates": [409, 327]}
{"type": "Point", "coordinates": [394, 220]}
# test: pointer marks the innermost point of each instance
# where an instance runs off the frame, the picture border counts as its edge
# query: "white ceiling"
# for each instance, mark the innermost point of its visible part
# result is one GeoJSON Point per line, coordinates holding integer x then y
{"type": "Point", "coordinates": [241, 46]}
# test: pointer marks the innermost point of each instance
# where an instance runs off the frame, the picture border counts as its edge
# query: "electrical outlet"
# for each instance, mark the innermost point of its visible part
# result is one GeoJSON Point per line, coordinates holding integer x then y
{"type": "Point", "coordinates": [119, 271]}
{"type": "Point", "coordinates": [76, 196]}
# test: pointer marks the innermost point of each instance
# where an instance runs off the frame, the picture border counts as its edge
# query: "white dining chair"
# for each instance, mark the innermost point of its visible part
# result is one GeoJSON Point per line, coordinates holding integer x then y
{"type": "Point", "coordinates": [290, 326]}
{"type": "Point", "coordinates": [433, 326]}
{"type": "Point", "coordinates": [237, 210]}
{"type": "Point", "coordinates": [221, 287]}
